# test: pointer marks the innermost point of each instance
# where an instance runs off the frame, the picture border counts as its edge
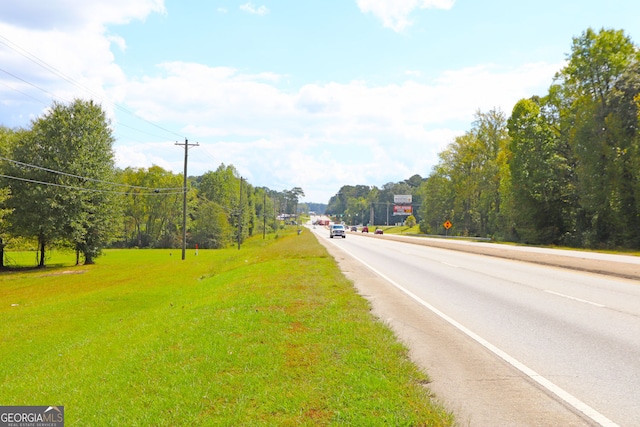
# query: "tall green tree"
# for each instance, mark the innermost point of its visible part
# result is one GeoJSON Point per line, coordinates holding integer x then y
{"type": "Point", "coordinates": [292, 198]}
{"type": "Point", "coordinates": [233, 195]}
{"type": "Point", "coordinates": [356, 211]}
{"type": "Point", "coordinates": [4, 195]}
{"type": "Point", "coordinates": [62, 189]}
{"type": "Point", "coordinates": [622, 124]}
{"type": "Point", "coordinates": [597, 62]}
{"type": "Point", "coordinates": [211, 228]}
{"type": "Point", "coordinates": [152, 207]}
{"type": "Point", "coordinates": [492, 137]}
{"type": "Point", "coordinates": [472, 165]}
{"type": "Point", "coordinates": [264, 210]}
{"type": "Point", "coordinates": [372, 201]}
{"type": "Point", "coordinates": [538, 175]}
{"type": "Point", "coordinates": [437, 200]}
{"type": "Point", "coordinates": [221, 186]}
{"type": "Point", "coordinates": [339, 204]}
{"type": "Point", "coordinates": [7, 138]}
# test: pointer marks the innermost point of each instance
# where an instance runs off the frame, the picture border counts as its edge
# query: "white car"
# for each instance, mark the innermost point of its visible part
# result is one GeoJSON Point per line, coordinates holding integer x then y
{"type": "Point", "coordinates": [337, 230]}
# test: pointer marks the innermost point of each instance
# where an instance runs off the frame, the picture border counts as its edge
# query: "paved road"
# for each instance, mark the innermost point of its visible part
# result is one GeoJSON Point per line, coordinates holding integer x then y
{"type": "Point", "coordinates": [507, 343]}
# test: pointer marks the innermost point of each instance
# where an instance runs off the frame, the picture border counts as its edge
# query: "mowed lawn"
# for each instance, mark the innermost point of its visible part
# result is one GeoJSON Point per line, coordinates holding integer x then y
{"type": "Point", "coordinates": [272, 334]}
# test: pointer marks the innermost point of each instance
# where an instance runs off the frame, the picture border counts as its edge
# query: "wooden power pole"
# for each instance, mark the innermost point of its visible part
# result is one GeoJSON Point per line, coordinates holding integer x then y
{"type": "Point", "coordinates": [184, 196]}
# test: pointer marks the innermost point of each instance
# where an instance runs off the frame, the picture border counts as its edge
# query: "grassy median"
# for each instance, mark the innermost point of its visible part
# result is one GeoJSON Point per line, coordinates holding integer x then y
{"type": "Point", "coordinates": [272, 334]}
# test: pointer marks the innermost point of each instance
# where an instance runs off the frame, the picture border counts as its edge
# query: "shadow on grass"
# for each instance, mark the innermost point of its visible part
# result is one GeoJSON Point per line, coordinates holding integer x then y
{"type": "Point", "coordinates": [27, 261]}
{"type": "Point", "coordinates": [53, 268]}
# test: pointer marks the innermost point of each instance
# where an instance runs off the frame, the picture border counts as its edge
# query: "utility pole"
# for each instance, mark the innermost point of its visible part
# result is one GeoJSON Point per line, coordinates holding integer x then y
{"type": "Point", "coordinates": [387, 213]}
{"type": "Point", "coordinates": [240, 216]}
{"type": "Point", "coordinates": [264, 215]}
{"type": "Point", "coordinates": [184, 196]}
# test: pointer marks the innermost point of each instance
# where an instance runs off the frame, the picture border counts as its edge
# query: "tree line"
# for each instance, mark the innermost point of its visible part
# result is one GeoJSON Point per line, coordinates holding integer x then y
{"type": "Point", "coordinates": [59, 187]}
{"type": "Point", "coordinates": [563, 168]}
{"type": "Point", "coordinates": [363, 204]}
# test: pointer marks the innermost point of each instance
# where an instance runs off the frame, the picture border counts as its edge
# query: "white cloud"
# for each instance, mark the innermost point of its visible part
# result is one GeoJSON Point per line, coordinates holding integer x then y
{"type": "Point", "coordinates": [251, 8]}
{"type": "Point", "coordinates": [69, 15]}
{"type": "Point", "coordinates": [316, 136]}
{"type": "Point", "coordinates": [394, 14]}
{"type": "Point", "coordinates": [413, 73]}
{"type": "Point", "coordinates": [32, 35]}
{"type": "Point", "coordinates": [321, 136]}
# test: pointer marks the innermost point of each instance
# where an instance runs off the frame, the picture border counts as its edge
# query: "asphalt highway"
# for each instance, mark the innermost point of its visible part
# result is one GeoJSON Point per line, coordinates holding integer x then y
{"type": "Point", "coordinates": [564, 344]}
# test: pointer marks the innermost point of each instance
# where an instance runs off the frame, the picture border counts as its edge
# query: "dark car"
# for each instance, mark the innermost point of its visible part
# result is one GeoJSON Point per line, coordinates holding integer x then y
{"type": "Point", "coordinates": [378, 231]}
{"type": "Point", "coordinates": [365, 229]}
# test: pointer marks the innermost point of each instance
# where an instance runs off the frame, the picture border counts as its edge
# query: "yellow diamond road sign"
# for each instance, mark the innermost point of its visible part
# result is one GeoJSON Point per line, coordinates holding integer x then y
{"type": "Point", "coordinates": [447, 224]}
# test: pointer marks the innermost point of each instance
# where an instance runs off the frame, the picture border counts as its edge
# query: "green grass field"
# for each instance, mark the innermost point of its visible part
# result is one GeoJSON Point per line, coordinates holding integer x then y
{"type": "Point", "coordinates": [272, 335]}
{"type": "Point", "coordinates": [401, 229]}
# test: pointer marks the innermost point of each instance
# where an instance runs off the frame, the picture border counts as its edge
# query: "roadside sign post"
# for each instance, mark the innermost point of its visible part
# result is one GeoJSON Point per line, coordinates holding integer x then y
{"type": "Point", "coordinates": [447, 225]}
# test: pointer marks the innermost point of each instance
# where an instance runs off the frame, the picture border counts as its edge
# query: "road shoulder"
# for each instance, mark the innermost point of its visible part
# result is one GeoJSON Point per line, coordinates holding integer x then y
{"type": "Point", "coordinates": [554, 258]}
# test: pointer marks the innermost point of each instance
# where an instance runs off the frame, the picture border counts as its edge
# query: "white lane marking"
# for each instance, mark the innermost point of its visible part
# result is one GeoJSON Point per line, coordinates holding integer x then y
{"type": "Point", "coordinates": [533, 375]}
{"type": "Point", "coordinates": [450, 265]}
{"type": "Point", "coordinates": [575, 299]}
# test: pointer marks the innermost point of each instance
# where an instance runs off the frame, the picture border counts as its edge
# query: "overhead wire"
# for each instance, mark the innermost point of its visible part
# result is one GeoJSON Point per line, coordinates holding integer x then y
{"type": "Point", "coordinates": [34, 85]}
{"type": "Point", "coordinates": [141, 131]}
{"type": "Point", "coordinates": [21, 92]}
{"type": "Point", "coordinates": [84, 178]}
{"type": "Point", "coordinates": [43, 64]}
{"type": "Point", "coordinates": [95, 190]}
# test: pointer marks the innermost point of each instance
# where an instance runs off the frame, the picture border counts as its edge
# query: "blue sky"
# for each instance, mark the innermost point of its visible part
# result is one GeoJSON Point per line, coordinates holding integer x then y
{"type": "Point", "coordinates": [311, 94]}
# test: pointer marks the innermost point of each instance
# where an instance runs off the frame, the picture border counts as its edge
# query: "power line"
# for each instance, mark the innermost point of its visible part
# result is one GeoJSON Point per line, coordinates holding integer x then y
{"type": "Point", "coordinates": [68, 101]}
{"type": "Point", "coordinates": [21, 92]}
{"type": "Point", "coordinates": [31, 84]}
{"type": "Point", "coordinates": [49, 68]}
{"type": "Point", "coordinates": [141, 131]}
{"type": "Point", "coordinates": [84, 178]}
{"type": "Point", "coordinates": [94, 190]}
{"type": "Point", "coordinates": [33, 58]}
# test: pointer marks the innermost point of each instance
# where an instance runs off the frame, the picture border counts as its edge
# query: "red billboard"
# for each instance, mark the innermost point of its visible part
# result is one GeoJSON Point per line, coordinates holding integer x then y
{"type": "Point", "coordinates": [402, 210]}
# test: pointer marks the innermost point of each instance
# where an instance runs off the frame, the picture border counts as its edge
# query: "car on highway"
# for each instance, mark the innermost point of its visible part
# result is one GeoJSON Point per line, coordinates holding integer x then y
{"type": "Point", "coordinates": [354, 228]}
{"type": "Point", "coordinates": [337, 230]}
{"type": "Point", "coordinates": [378, 231]}
{"type": "Point", "coordinates": [365, 229]}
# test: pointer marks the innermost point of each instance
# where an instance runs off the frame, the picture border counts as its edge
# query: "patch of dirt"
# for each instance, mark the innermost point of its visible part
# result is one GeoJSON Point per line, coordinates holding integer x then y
{"type": "Point", "coordinates": [60, 273]}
